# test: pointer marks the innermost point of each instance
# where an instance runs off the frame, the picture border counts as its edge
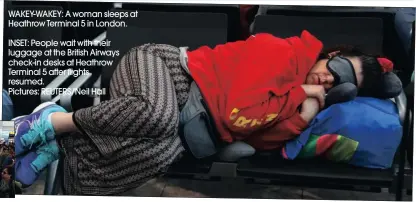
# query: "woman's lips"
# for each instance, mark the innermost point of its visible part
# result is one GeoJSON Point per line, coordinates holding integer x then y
{"type": "Point", "coordinates": [313, 79]}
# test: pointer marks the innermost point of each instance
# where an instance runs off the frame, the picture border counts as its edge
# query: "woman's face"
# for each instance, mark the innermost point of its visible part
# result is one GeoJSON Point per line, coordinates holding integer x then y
{"type": "Point", "coordinates": [320, 75]}
{"type": "Point", "coordinates": [5, 175]}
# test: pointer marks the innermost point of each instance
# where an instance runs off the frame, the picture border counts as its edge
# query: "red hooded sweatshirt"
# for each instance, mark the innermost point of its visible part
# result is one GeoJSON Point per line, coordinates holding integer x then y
{"type": "Point", "coordinates": [253, 87]}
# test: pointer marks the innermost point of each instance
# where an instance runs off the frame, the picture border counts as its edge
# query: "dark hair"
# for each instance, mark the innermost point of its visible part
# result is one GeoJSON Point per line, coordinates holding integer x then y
{"type": "Point", "coordinates": [372, 71]}
{"type": "Point", "coordinates": [10, 170]}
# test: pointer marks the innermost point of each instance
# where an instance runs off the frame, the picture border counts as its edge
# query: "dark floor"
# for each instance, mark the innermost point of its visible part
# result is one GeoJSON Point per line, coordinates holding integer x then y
{"type": "Point", "coordinates": [236, 189]}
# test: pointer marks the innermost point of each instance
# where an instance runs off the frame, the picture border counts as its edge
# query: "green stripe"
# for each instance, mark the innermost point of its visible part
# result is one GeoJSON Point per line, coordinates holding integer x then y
{"type": "Point", "coordinates": [309, 150]}
{"type": "Point", "coordinates": [343, 149]}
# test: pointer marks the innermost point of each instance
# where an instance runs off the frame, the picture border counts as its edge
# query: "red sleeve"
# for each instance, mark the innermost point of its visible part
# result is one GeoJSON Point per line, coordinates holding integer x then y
{"type": "Point", "coordinates": [264, 115]}
{"type": "Point", "coordinates": [212, 65]}
{"type": "Point", "coordinates": [282, 132]}
{"type": "Point", "coordinates": [264, 90]}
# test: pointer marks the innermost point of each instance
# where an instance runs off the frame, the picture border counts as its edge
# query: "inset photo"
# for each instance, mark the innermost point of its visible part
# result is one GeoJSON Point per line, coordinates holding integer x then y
{"type": "Point", "coordinates": [8, 185]}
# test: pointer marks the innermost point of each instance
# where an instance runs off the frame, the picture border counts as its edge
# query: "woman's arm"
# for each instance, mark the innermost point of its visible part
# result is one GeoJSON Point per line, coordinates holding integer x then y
{"type": "Point", "coordinates": [310, 108]}
{"type": "Point", "coordinates": [287, 129]}
{"type": "Point", "coordinates": [275, 137]}
{"type": "Point", "coordinates": [244, 120]}
{"type": "Point", "coordinates": [267, 87]}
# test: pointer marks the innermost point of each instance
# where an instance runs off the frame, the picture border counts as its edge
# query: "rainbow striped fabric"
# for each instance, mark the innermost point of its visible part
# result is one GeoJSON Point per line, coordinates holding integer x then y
{"type": "Point", "coordinates": [331, 146]}
{"type": "Point", "coordinates": [364, 132]}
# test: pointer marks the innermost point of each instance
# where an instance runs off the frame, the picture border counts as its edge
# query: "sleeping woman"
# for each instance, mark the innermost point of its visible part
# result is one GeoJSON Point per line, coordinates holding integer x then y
{"type": "Point", "coordinates": [263, 91]}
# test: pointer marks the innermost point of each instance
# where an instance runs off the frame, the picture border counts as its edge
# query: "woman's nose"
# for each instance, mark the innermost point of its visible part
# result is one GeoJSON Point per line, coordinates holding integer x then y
{"type": "Point", "coordinates": [329, 79]}
{"type": "Point", "coordinates": [326, 79]}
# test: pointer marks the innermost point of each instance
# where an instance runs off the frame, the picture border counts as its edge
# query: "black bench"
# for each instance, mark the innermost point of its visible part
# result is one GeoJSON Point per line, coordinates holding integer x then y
{"type": "Point", "coordinates": [332, 31]}
{"type": "Point", "coordinates": [269, 168]}
{"type": "Point", "coordinates": [361, 27]}
{"type": "Point", "coordinates": [410, 93]}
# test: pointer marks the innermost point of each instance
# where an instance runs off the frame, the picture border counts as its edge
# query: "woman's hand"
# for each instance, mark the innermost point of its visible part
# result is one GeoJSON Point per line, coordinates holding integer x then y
{"type": "Point", "coordinates": [310, 108]}
{"type": "Point", "coordinates": [317, 92]}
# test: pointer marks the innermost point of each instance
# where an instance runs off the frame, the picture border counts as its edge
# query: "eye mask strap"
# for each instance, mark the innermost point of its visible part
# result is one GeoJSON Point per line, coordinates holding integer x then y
{"type": "Point", "coordinates": [353, 70]}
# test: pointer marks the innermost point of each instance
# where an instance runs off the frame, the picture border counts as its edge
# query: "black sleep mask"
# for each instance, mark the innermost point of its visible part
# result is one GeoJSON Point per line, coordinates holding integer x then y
{"type": "Point", "coordinates": [345, 84]}
{"type": "Point", "coordinates": [342, 70]}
